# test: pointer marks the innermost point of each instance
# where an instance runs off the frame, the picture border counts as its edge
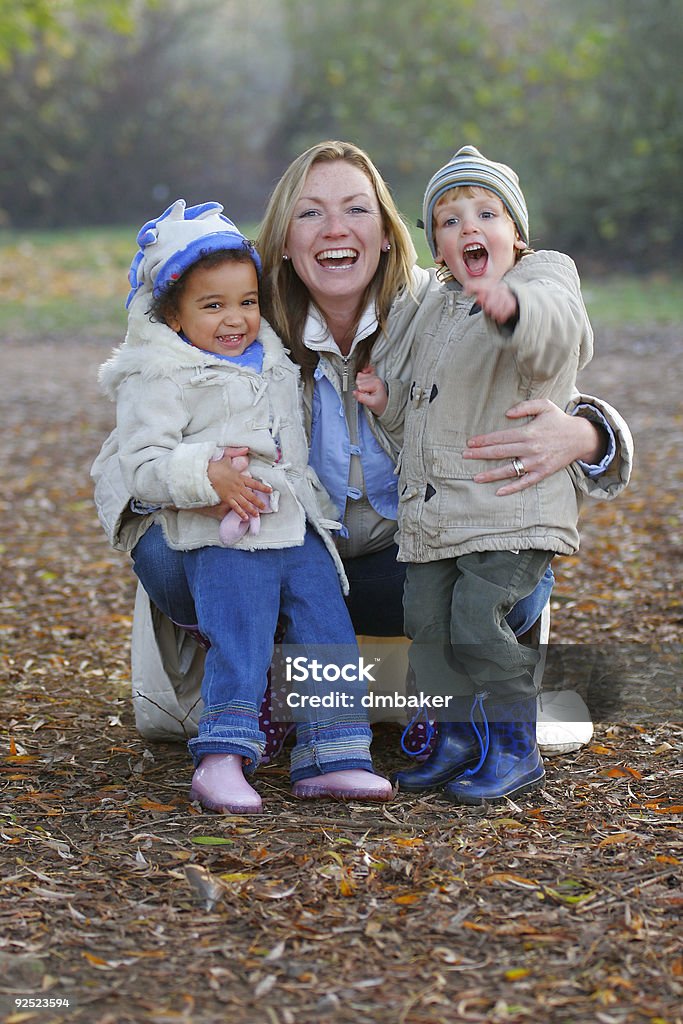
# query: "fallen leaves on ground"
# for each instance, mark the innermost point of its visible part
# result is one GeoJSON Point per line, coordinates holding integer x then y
{"type": "Point", "coordinates": [118, 895]}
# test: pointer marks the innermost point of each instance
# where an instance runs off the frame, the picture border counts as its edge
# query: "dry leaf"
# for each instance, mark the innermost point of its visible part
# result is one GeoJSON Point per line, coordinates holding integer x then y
{"type": "Point", "coordinates": [205, 885]}
{"type": "Point", "coordinates": [618, 837]}
{"type": "Point", "coordinates": [153, 805]}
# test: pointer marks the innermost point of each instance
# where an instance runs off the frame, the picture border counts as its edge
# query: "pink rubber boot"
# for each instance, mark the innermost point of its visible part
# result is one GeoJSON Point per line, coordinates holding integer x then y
{"type": "Point", "coordinates": [353, 784]}
{"type": "Point", "coordinates": [219, 785]}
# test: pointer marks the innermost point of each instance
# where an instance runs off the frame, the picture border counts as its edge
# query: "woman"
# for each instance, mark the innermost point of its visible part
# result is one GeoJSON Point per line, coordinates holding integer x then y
{"type": "Point", "coordinates": [342, 290]}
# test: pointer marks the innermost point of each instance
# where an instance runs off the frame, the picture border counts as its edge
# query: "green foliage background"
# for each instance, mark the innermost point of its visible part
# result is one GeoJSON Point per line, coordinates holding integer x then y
{"type": "Point", "coordinates": [112, 110]}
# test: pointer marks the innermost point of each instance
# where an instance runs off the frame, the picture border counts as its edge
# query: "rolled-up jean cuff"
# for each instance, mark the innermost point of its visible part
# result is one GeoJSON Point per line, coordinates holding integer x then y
{"type": "Point", "coordinates": [334, 754]}
{"type": "Point", "coordinates": [312, 771]}
{"type": "Point", "coordinates": [200, 746]}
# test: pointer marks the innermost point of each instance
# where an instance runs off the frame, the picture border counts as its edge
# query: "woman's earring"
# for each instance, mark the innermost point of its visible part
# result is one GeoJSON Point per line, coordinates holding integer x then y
{"type": "Point", "coordinates": [387, 247]}
{"type": "Point", "coordinates": [285, 256]}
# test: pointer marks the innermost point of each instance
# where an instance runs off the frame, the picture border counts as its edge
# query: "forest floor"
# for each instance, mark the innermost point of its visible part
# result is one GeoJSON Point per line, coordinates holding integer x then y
{"type": "Point", "coordinates": [122, 902]}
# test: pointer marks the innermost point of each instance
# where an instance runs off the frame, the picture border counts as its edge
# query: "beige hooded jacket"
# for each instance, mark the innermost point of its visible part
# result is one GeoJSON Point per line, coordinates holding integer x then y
{"type": "Point", "coordinates": [468, 371]}
{"type": "Point", "coordinates": [178, 406]}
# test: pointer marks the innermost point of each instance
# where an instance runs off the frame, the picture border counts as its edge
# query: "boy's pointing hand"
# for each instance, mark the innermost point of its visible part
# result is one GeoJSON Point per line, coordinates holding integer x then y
{"type": "Point", "coordinates": [495, 299]}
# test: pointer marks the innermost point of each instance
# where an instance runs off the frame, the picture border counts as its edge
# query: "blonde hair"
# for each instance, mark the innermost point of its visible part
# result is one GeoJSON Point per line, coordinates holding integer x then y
{"type": "Point", "coordinates": [285, 297]}
{"type": "Point", "coordinates": [469, 192]}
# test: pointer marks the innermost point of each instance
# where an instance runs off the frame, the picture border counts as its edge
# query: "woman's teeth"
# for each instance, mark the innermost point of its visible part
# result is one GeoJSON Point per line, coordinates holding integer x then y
{"type": "Point", "coordinates": [337, 258]}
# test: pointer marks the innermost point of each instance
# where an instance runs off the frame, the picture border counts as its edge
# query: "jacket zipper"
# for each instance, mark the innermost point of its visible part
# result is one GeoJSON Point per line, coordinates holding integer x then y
{"type": "Point", "coordinates": [345, 373]}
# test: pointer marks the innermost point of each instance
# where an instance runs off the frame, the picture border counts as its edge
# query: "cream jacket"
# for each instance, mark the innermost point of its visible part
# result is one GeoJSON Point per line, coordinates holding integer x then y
{"type": "Point", "coordinates": [467, 372]}
{"type": "Point", "coordinates": [178, 406]}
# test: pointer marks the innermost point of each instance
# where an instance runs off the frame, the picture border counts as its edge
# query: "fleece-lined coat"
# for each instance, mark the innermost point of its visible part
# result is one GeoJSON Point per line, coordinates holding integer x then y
{"type": "Point", "coordinates": [468, 370]}
{"type": "Point", "coordinates": [178, 406]}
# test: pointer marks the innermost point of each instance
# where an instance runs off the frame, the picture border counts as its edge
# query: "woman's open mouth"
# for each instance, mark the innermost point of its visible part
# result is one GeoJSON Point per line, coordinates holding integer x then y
{"type": "Point", "coordinates": [337, 259]}
{"type": "Point", "coordinates": [476, 258]}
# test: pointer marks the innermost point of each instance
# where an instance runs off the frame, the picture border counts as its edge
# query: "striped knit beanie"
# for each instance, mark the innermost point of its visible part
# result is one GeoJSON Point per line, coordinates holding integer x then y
{"type": "Point", "coordinates": [469, 167]}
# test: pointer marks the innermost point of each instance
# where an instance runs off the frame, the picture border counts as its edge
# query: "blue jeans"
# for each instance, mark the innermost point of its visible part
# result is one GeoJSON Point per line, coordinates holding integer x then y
{"type": "Point", "coordinates": [375, 601]}
{"type": "Point", "coordinates": [238, 596]}
{"type": "Point", "coordinates": [161, 570]}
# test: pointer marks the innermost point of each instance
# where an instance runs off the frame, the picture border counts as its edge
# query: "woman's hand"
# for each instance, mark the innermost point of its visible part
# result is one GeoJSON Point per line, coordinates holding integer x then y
{"type": "Point", "coordinates": [551, 441]}
{"type": "Point", "coordinates": [234, 488]}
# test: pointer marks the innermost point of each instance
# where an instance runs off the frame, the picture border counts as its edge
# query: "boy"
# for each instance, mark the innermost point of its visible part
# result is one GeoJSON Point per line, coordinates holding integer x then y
{"type": "Point", "coordinates": [509, 324]}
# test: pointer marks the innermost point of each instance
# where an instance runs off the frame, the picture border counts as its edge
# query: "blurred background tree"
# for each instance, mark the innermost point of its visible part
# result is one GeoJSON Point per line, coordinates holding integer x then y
{"type": "Point", "coordinates": [111, 109]}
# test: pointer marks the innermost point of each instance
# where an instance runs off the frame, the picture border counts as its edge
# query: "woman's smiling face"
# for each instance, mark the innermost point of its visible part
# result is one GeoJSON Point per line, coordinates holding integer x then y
{"type": "Point", "coordinates": [336, 234]}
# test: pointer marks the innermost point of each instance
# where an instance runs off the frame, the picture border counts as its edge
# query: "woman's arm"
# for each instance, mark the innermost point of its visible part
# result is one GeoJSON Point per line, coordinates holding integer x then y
{"type": "Point", "coordinates": [553, 440]}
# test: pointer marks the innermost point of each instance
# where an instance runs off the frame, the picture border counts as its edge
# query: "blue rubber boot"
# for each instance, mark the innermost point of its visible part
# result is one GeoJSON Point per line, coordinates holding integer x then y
{"type": "Point", "coordinates": [457, 748]}
{"type": "Point", "coordinates": [510, 763]}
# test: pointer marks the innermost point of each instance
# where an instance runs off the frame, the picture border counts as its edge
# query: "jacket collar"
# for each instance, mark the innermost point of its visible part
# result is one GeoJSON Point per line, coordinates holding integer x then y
{"type": "Point", "coordinates": [317, 336]}
{"type": "Point", "coordinates": [154, 350]}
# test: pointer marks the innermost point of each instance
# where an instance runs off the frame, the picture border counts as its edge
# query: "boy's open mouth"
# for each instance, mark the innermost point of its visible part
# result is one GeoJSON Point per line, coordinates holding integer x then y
{"type": "Point", "coordinates": [475, 257]}
{"type": "Point", "coordinates": [337, 259]}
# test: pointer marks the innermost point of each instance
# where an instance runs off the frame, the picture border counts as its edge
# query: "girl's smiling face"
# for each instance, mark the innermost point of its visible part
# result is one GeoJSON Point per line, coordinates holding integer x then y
{"type": "Point", "coordinates": [336, 234]}
{"type": "Point", "coordinates": [218, 308]}
{"type": "Point", "coordinates": [475, 236]}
